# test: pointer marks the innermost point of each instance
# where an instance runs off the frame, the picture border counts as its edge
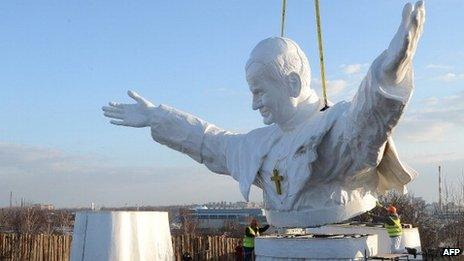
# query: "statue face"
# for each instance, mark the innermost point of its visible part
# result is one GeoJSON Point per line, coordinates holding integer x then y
{"type": "Point", "coordinates": [273, 100]}
{"type": "Point", "coordinates": [278, 75]}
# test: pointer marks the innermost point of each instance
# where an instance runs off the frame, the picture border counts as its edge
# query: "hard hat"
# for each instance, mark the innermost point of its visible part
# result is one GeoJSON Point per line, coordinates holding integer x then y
{"type": "Point", "coordinates": [391, 209]}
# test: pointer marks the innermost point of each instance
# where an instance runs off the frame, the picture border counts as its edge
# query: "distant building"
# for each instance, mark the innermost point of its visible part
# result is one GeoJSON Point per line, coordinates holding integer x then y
{"type": "Point", "coordinates": [217, 218]}
{"type": "Point", "coordinates": [44, 206]}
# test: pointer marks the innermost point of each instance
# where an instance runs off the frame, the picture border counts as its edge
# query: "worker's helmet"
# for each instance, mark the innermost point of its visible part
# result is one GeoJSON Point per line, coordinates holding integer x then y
{"type": "Point", "coordinates": [254, 222]}
{"type": "Point", "coordinates": [391, 210]}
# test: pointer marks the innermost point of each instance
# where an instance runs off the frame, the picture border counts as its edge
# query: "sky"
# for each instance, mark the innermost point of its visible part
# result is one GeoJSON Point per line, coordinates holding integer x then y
{"type": "Point", "coordinates": [61, 61]}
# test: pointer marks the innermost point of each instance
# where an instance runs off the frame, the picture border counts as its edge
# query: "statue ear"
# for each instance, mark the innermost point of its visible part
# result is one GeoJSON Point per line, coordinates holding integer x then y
{"type": "Point", "coordinates": [294, 84]}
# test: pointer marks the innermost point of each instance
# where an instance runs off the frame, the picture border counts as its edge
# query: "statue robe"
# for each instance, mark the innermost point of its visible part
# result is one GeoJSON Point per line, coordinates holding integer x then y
{"type": "Point", "coordinates": [334, 164]}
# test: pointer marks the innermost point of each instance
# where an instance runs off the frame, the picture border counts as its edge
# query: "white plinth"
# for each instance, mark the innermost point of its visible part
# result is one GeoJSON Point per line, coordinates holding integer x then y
{"type": "Point", "coordinates": [121, 236]}
{"type": "Point", "coordinates": [273, 248]}
{"type": "Point", "coordinates": [410, 237]}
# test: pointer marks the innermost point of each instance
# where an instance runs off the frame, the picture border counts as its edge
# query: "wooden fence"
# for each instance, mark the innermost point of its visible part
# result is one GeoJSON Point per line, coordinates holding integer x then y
{"type": "Point", "coordinates": [15, 247]}
{"type": "Point", "coordinates": [205, 247]}
{"type": "Point", "coordinates": [34, 247]}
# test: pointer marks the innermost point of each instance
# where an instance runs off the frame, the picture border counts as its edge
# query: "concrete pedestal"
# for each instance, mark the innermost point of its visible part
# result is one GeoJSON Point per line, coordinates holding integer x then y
{"type": "Point", "coordinates": [121, 236]}
{"type": "Point", "coordinates": [410, 237]}
{"type": "Point", "coordinates": [309, 247]}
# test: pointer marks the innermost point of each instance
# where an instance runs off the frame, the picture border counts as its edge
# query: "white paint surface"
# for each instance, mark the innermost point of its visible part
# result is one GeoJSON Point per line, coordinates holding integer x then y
{"type": "Point", "coordinates": [121, 236]}
{"type": "Point", "coordinates": [272, 248]}
{"type": "Point", "coordinates": [333, 163]}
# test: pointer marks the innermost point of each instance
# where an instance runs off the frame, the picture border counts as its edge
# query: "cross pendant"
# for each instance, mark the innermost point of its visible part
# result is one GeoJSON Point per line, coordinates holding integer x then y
{"type": "Point", "coordinates": [277, 180]}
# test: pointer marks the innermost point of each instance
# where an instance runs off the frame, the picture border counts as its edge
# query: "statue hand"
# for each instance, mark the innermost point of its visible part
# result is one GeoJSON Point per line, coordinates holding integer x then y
{"type": "Point", "coordinates": [133, 115]}
{"type": "Point", "coordinates": [402, 48]}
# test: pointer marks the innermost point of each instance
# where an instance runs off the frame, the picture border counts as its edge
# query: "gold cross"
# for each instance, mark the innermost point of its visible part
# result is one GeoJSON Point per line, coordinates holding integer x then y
{"type": "Point", "coordinates": [277, 179]}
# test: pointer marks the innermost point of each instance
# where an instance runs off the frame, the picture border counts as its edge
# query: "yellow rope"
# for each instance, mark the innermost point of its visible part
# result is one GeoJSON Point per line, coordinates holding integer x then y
{"type": "Point", "coordinates": [321, 54]}
{"type": "Point", "coordinates": [282, 24]}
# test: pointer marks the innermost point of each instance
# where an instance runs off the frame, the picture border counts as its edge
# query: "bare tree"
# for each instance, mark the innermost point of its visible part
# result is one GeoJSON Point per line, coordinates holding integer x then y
{"type": "Point", "coordinates": [437, 227]}
{"type": "Point", "coordinates": [188, 222]}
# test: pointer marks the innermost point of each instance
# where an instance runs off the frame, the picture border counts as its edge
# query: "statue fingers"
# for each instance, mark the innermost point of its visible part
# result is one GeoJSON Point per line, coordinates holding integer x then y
{"type": "Point", "coordinates": [416, 24]}
{"type": "Point", "coordinates": [404, 44]}
{"type": "Point", "coordinates": [112, 109]}
{"type": "Point", "coordinates": [119, 123]}
{"type": "Point", "coordinates": [114, 115]}
{"type": "Point", "coordinates": [406, 17]}
{"type": "Point", "coordinates": [399, 43]}
{"type": "Point", "coordinates": [115, 104]}
{"type": "Point", "coordinates": [139, 99]}
{"type": "Point", "coordinates": [135, 96]}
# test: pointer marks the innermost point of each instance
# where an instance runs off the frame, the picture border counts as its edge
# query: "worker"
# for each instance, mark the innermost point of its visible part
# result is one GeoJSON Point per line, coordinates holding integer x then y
{"type": "Point", "coordinates": [393, 225]}
{"type": "Point", "coordinates": [239, 251]}
{"type": "Point", "coordinates": [252, 231]}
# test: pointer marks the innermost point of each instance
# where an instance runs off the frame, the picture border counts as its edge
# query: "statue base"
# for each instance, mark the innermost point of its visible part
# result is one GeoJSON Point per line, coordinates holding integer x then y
{"type": "Point", "coordinates": [315, 247]}
{"type": "Point", "coordinates": [351, 241]}
{"type": "Point", "coordinates": [410, 237]}
{"type": "Point", "coordinates": [121, 236]}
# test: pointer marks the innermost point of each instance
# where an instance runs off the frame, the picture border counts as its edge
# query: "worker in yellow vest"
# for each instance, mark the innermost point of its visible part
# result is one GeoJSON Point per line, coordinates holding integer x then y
{"type": "Point", "coordinates": [394, 229]}
{"type": "Point", "coordinates": [252, 231]}
{"type": "Point", "coordinates": [392, 223]}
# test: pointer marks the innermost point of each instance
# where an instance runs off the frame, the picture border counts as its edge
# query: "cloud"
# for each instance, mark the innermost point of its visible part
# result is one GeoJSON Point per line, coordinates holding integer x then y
{"type": "Point", "coordinates": [439, 66]}
{"type": "Point", "coordinates": [334, 87]}
{"type": "Point", "coordinates": [432, 122]}
{"type": "Point", "coordinates": [353, 68]}
{"type": "Point", "coordinates": [430, 101]}
{"type": "Point", "coordinates": [423, 130]}
{"type": "Point", "coordinates": [450, 77]}
{"type": "Point", "coordinates": [433, 158]}
{"type": "Point", "coordinates": [225, 91]}
{"type": "Point", "coordinates": [48, 175]}
{"type": "Point", "coordinates": [426, 184]}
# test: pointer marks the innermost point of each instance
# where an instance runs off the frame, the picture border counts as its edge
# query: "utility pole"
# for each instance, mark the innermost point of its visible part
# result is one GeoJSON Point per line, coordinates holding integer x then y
{"type": "Point", "coordinates": [440, 206]}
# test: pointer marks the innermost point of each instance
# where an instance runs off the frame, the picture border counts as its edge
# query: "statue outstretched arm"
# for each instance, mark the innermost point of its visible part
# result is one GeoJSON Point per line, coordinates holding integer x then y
{"type": "Point", "coordinates": [181, 131]}
{"type": "Point", "coordinates": [383, 94]}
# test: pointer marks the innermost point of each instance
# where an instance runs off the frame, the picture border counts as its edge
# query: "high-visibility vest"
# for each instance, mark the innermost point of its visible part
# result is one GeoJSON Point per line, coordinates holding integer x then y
{"type": "Point", "coordinates": [250, 241]}
{"type": "Point", "coordinates": [395, 229]}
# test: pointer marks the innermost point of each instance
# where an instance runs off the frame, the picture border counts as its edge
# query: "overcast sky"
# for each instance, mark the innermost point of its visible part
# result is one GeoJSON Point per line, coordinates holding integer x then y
{"type": "Point", "coordinates": [63, 60]}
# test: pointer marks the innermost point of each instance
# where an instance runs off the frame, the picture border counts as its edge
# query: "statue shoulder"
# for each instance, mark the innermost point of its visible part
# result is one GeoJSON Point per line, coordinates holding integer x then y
{"type": "Point", "coordinates": [338, 108]}
{"type": "Point", "coordinates": [264, 132]}
{"type": "Point", "coordinates": [334, 113]}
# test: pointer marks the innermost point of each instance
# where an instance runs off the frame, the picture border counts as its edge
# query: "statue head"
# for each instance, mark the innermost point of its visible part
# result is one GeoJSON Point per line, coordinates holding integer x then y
{"type": "Point", "coordinates": [278, 75]}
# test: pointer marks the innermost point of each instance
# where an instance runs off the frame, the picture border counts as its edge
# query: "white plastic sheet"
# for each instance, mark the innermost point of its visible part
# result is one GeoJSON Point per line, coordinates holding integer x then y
{"type": "Point", "coordinates": [121, 236]}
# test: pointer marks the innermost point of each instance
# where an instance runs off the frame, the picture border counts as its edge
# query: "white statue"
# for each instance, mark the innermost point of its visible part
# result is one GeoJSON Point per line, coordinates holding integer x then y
{"type": "Point", "coordinates": [314, 167]}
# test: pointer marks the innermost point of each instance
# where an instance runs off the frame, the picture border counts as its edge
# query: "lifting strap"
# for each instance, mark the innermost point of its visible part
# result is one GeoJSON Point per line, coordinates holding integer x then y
{"type": "Point", "coordinates": [282, 22]}
{"type": "Point", "coordinates": [321, 55]}
{"type": "Point", "coordinates": [319, 41]}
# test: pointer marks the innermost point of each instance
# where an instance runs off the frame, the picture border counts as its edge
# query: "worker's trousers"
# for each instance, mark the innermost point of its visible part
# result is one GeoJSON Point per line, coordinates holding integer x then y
{"type": "Point", "coordinates": [248, 254]}
{"type": "Point", "coordinates": [395, 244]}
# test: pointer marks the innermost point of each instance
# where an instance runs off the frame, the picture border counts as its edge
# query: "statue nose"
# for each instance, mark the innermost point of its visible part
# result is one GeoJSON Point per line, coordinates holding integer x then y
{"type": "Point", "coordinates": [256, 104]}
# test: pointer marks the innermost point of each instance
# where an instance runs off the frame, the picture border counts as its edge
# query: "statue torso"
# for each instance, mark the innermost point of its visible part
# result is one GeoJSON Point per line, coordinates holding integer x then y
{"type": "Point", "coordinates": [304, 194]}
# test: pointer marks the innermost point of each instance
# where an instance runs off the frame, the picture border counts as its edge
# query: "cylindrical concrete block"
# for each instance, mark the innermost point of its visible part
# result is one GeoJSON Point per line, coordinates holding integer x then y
{"type": "Point", "coordinates": [410, 237]}
{"type": "Point", "coordinates": [343, 247]}
{"type": "Point", "coordinates": [121, 236]}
